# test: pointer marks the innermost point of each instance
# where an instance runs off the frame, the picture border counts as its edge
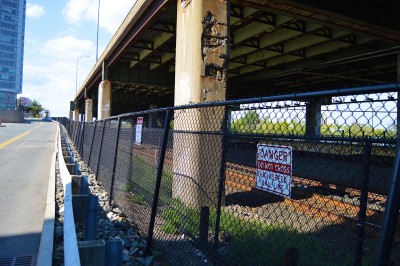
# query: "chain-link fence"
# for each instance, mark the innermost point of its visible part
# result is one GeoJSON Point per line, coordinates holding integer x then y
{"type": "Point", "coordinates": [272, 181]}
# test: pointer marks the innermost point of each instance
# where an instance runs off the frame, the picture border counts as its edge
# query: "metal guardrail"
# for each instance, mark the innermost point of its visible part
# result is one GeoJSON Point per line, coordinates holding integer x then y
{"type": "Point", "coordinates": [71, 252]}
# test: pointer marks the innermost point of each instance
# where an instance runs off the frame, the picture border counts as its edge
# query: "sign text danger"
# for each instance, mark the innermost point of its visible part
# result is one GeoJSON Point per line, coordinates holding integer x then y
{"type": "Point", "coordinates": [274, 169]}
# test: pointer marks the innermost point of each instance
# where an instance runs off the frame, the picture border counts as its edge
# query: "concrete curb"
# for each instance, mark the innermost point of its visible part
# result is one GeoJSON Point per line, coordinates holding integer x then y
{"type": "Point", "coordinates": [45, 255]}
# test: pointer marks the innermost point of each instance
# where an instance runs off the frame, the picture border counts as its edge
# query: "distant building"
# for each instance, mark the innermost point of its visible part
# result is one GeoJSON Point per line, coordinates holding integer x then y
{"type": "Point", "coordinates": [12, 31]}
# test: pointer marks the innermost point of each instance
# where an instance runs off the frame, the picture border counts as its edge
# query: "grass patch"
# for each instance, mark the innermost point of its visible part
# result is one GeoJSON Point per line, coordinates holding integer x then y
{"type": "Point", "coordinates": [128, 186]}
{"type": "Point", "coordinates": [253, 242]}
{"type": "Point", "coordinates": [143, 181]}
{"type": "Point", "coordinates": [138, 199]}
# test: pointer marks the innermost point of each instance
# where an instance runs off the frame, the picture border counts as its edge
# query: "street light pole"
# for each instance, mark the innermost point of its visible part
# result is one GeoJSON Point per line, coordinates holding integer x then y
{"type": "Point", "coordinates": [76, 75]}
{"type": "Point", "coordinates": [98, 24]}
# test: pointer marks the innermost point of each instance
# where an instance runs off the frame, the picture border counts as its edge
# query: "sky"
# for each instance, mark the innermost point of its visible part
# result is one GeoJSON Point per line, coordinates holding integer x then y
{"type": "Point", "coordinates": [60, 41]}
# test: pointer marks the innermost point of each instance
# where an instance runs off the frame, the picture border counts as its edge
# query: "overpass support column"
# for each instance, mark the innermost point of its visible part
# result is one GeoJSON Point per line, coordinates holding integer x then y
{"type": "Point", "coordinates": [104, 102]}
{"type": "Point", "coordinates": [76, 114]}
{"type": "Point", "coordinates": [313, 119]}
{"type": "Point", "coordinates": [200, 76]}
{"type": "Point", "coordinates": [153, 117]}
{"type": "Point", "coordinates": [88, 110]}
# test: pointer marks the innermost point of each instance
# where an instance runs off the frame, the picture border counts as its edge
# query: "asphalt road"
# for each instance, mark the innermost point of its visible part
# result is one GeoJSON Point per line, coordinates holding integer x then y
{"type": "Point", "coordinates": [25, 156]}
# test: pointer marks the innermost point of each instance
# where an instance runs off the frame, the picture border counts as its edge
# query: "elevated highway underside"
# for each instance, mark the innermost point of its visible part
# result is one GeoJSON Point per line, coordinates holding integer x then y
{"type": "Point", "coordinates": [273, 47]}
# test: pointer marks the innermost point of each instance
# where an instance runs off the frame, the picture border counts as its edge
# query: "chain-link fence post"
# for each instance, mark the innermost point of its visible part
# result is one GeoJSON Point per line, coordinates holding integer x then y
{"type": "Point", "coordinates": [115, 159]}
{"type": "Point", "coordinates": [382, 255]}
{"type": "Point", "coordinates": [91, 144]}
{"type": "Point", "coordinates": [160, 165]}
{"type": "Point", "coordinates": [362, 214]}
{"type": "Point", "coordinates": [69, 127]}
{"type": "Point", "coordinates": [82, 138]}
{"type": "Point", "coordinates": [101, 147]}
{"type": "Point", "coordinates": [72, 133]}
{"type": "Point", "coordinates": [76, 131]}
{"type": "Point", "coordinates": [221, 185]}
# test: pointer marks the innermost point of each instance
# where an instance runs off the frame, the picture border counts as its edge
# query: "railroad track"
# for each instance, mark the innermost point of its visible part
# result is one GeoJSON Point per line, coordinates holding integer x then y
{"type": "Point", "coordinates": [241, 178]}
{"type": "Point", "coordinates": [306, 199]}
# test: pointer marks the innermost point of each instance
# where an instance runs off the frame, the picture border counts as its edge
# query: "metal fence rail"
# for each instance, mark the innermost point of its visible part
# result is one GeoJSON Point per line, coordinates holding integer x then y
{"type": "Point", "coordinates": [195, 185]}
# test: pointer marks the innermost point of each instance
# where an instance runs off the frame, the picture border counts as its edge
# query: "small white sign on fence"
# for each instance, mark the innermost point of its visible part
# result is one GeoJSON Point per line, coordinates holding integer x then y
{"type": "Point", "coordinates": [139, 124]}
{"type": "Point", "coordinates": [274, 169]}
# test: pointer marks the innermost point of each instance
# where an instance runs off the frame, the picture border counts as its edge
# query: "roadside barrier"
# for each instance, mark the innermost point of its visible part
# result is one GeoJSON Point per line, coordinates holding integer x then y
{"type": "Point", "coordinates": [71, 253]}
{"type": "Point", "coordinates": [81, 207]}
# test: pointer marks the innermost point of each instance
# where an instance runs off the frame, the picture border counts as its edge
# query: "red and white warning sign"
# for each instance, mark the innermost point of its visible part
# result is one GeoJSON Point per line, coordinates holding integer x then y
{"type": "Point", "coordinates": [139, 124]}
{"type": "Point", "coordinates": [274, 169]}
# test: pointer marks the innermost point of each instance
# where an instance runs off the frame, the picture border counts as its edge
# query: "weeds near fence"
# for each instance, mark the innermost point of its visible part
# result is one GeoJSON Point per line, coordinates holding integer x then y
{"type": "Point", "coordinates": [259, 242]}
{"type": "Point", "coordinates": [144, 178]}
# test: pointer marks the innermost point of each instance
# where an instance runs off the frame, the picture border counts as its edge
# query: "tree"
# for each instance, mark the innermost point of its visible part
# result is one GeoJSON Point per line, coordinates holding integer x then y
{"type": "Point", "coordinates": [247, 123]}
{"type": "Point", "coordinates": [35, 109]}
{"type": "Point", "coordinates": [23, 104]}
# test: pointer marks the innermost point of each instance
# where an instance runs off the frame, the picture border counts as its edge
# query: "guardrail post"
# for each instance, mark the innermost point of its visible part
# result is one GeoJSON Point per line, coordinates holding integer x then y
{"type": "Point", "coordinates": [84, 185]}
{"type": "Point", "coordinates": [362, 213]}
{"type": "Point", "coordinates": [92, 252]}
{"type": "Point", "coordinates": [115, 160]}
{"type": "Point", "coordinates": [91, 217]}
{"type": "Point", "coordinates": [161, 156]}
{"type": "Point", "coordinates": [114, 253]}
{"type": "Point", "coordinates": [101, 147]}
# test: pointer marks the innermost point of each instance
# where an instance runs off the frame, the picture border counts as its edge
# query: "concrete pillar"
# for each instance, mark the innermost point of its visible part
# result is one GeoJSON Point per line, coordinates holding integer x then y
{"type": "Point", "coordinates": [104, 102]}
{"type": "Point", "coordinates": [76, 114]}
{"type": "Point", "coordinates": [200, 76]}
{"type": "Point", "coordinates": [153, 117]}
{"type": "Point", "coordinates": [71, 115]}
{"type": "Point", "coordinates": [88, 110]}
{"type": "Point", "coordinates": [313, 119]}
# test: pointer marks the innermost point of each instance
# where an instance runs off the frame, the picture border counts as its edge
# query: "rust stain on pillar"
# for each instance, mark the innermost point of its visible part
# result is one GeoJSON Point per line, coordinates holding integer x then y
{"type": "Point", "coordinates": [214, 47]}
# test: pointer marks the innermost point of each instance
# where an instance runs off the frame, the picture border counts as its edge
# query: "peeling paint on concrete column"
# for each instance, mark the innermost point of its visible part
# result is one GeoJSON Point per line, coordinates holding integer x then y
{"type": "Point", "coordinates": [214, 48]}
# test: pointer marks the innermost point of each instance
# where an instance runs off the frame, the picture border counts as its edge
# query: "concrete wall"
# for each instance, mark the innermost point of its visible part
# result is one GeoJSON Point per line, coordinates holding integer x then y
{"type": "Point", "coordinates": [11, 116]}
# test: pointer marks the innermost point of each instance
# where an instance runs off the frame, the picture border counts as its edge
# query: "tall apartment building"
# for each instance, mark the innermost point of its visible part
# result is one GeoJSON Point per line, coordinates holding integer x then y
{"type": "Point", "coordinates": [12, 31]}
